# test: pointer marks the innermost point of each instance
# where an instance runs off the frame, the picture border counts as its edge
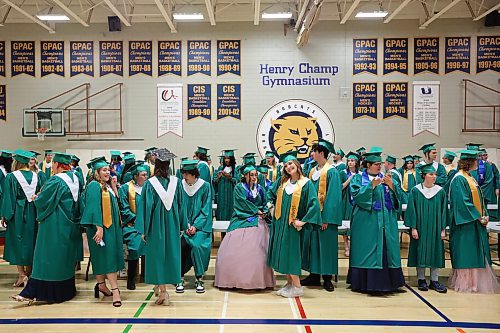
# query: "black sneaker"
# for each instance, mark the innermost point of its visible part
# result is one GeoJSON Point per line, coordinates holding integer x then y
{"type": "Point", "coordinates": [435, 285]}
{"type": "Point", "coordinates": [179, 287]}
{"type": "Point", "coordinates": [422, 285]}
{"type": "Point", "coordinates": [328, 285]}
{"type": "Point", "coordinates": [130, 284]}
{"type": "Point", "coordinates": [311, 280]}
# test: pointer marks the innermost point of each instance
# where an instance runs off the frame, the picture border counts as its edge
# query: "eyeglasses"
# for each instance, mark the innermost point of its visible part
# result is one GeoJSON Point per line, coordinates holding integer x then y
{"type": "Point", "coordinates": [377, 164]}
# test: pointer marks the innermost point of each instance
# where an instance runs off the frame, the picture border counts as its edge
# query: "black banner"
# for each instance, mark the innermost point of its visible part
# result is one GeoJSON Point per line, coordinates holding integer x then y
{"type": "Point", "coordinates": [199, 101]}
{"type": "Point", "coordinates": [3, 102]}
{"type": "Point", "coordinates": [81, 59]}
{"type": "Point", "coordinates": [228, 101]}
{"type": "Point", "coordinates": [2, 58]}
{"type": "Point", "coordinates": [396, 55]}
{"type": "Point", "coordinates": [426, 55]}
{"type": "Point", "coordinates": [228, 57]}
{"type": "Point", "coordinates": [170, 57]}
{"type": "Point", "coordinates": [365, 56]}
{"type": "Point", "coordinates": [488, 53]}
{"type": "Point", "coordinates": [395, 100]}
{"type": "Point", "coordinates": [365, 100]}
{"type": "Point", "coordinates": [457, 55]}
{"type": "Point", "coordinates": [111, 58]}
{"type": "Point", "coordinates": [199, 57]}
{"type": "Point", "coordinates": [22, 58]}
{"type": "Point", "coordinates": [52, 58]}
{"type": "Point", "coordinates": [140, 58]}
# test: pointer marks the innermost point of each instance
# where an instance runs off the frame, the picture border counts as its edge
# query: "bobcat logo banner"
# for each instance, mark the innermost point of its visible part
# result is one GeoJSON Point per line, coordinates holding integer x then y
{"type": "Point", "coordinates": [293, 124]}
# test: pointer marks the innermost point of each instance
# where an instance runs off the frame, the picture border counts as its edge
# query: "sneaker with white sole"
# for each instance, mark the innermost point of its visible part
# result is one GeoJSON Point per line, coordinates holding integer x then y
{"type": "Point", "coordinates": [199, 285]}
{"type": "Point", "coordinates": [179, 288]}
{"type": "Point", "coordinates": [283, 289]}
{"type": "Point", "coordinates": [293, 292]}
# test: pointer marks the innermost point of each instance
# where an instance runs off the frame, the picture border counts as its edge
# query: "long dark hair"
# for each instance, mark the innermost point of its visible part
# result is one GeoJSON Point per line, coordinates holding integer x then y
{"type": "Point", "coordinates": [201, 156]}
{"type": "Point", "coordinates": [7, 163]}
{"type": "Point", "coordinates": [194, 172]}
{"type": "Point", "coordinates": [466, 165]}
{"type": "Point", "coordinates": [162, 169]}
{"type": "Point", "coordinates": [405, 165]}
{"type": "Point", "coordinates": [356, 165]}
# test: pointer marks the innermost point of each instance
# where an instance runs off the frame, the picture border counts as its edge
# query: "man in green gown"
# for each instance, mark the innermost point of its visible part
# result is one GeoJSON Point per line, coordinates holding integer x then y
{"type": "Point", "coordinates": [430, 156]}
{"type": "Point", "coordinates": [45, 165]}
{"type": "Point", "coordinates": [337, 160]}
{"type": "Point", "coordinates": [320, 243]}
{"type": "Point", "coordinates": [224, 182]}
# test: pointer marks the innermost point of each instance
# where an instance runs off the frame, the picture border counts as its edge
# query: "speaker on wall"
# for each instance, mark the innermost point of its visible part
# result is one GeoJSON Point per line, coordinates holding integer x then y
{"type": "Point", "coordinates": [114, 23]}
{"type": "Point", "coordinates": [492, 19]}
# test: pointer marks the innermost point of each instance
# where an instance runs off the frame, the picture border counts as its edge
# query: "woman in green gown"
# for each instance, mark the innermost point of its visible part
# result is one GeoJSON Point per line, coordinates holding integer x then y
{"type": "Point", "coordinates": [19, 215]}
{"type": "Point", "coordinates": [408, 175]}
{"type": "Point", "coordinates": [296, 203]}
{"type": "Point", "coordinates": [32, 165]}
{"type": "Point", "coordinates": [58, 214]}
{"type": "Point", "coordinates": [224, 182]}
{"type": "Point", "coordinates": [5, 167]}
{"type": "Point", "coordinates": [273, 169]}
{"type": "Point", "coordinates": [426, 215]}
{"type": "Point", "coordinates": [101, 217]}
{"type": "Point", "coordinates": [470, 251]}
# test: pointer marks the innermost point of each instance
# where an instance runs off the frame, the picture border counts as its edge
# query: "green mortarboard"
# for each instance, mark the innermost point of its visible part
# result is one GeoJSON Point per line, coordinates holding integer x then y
{"type": "Point", "coordinates": [473, 146]}
{"type": "Point", "coordinates": [141, 168]}
{"type": "Point", "coordinates": [427, 168]}
{"type": "Point", "coordinates": [62, 158]}
{"type": "Point", "coordinates": [340, 152]}
{"type": "Point", "coordinates": [6, 153]}
{"type": "Point", "coordinates": [408, 158]}
{"type": "Point", "coordinates": [449, 155]}
{"type": "Point", "coordinates": [247, 168]}
{"type": "Point", "coordinates": [249, 158]}
{"type": "Point", "coordinates": [48, 152]}
{"type": "Point", "coordinates": [188, 165]}
{"type": "Point", "coordinates": [89, 165]}
{"type": "Point", "coordinates": [373, 157]}
{"type": "Point", "coordinates": [127, 153]}
{"type": "Point", "coordinates": [360, 150]}
{"type": "Point", "coordinates": [129, 159]}
{"type": "Point", "coordinates": [98, 162]}
{"type": "Point", "coordinates": [163, 154]}
{"type": "Point", "coordinates": [375, 149]}
{"type": "Point", "coordinates": [23, 156]}
{"type": "Point", "coordinates": [34, 152]}
{"type": "Point", "coordinates": [183, 158]}
{"type": "Point", "coordinates": [149, 150]}
{"type": "Point", "coordinates": [416, 157]}
{"type": "Point", "coordinates": [289, 156]}
{"type": "Point", "coordinates": [427, 147]}
{"type": "Point", "coordinates": [467, 154]}
{"type": "Point", "coordinates": [75, 158]}
{"type": "Point", "coordinates": [327, 144]}
{"type": "Point", "coordinates": [202, 150]}
{"type": "Point", "coordinates": [353, 156]}
{"type": "Point", "coordinates": [269, 153]}
{"type": "Point", "coordinates": [115, 153]}
{"type": "Point", "coordinates": [229, 152]}
{"type": "Point", "coordinates": [391, 159]}
{"type": "Point", "coordinates": [483, 151]}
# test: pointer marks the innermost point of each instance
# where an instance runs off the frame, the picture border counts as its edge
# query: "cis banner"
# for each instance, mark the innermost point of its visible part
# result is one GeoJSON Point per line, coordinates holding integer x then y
{"type": "Point", "coordinates": [364, 56]}
{"type": "Point", "coordinates": [365, 100]}
{"type": "Point", "coordinates": [3, 102]}
{"type": "Point", "coordinates": [199, 101]}
{"type": "Point", "coordinates": [488, 53]}
{"type": "Point", "coordinates": [22, 58]}
{"type": "Point", "coordinates": [52, 58]}
{"type": "Point", "coordinates": [199, 57]}
{"type": "Point", "coordinates": [2, 58]}
{"type": "Point", "coordinates": [426, 55]}
{"type": "Point", "coordinates": [228, 57]}
{"type": "Point", "coordinates": [140, 58]}
{"type": "Point", "coordinates": [111, 57]}
{"type": "Point", "coordinates": [457, 55]}
{"type": "Point", "coordinates": [395, 100]}
{"type": "Point", "coordinates": [229, 101]}
{"type": "Point", "coordinates": [81, 59]}
{"type": "Point", "coordinates": [396, 55]}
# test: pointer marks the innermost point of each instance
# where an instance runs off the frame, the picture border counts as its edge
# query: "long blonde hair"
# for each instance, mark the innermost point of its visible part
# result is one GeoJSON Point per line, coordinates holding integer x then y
{"type": "Point", "coordinates": [35, 166]}
{"type": "Point", "coordinates": [286, 176]}
{"type": "Point", "coordinates": [18, 165]}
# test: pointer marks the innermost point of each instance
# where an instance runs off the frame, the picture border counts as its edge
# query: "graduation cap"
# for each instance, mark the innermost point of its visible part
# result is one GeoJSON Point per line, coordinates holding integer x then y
{"type": "Point", "coordinates": [416, 157]}
{"type": "Point", "coordinates": [201, 150]}
{"type": "Point", "coordinates": [360, 150]}
{"type": "Point", "coordinates": [427, 168]}
{"type": "Point", "coordinates": [373, 157]}
{"type": "Point", "coordinates": [75, 158]}
{"type": "Point", "coordinates": [375, 149]}
{"type": "Point", "coordinates": [23, 156]}
{"type": "Point", "coordinates": [129, 159]}
{"type": "Point", "coordinates": [468, 154]}
{"type": "Point", "coordinates": [188, 165]}
{"type": "Point", "coordinates": [327, 144]}
{"type": "Point", "coordinates": [408, 158]}
{"type": "Point", "coordinates": [35, 153]}
{"type": "Point", "coordinates": [5, 153]}
{"type": "Point", "coordinates": [228, 153]}
{"type": "Point", "coordinates": [127, 153]}
{"type": "Point", "coordinates": [391, 159]}
{"type": "Point", "coordinates": [249, 158]}
{"type": "Point", "coordinates": [115, 153]}
{"type": "Point", "coordinates": [184, 158]}
{"type": "Point", "coordinates": [248, 168]}
{"type": "Point", "coordinates": [164, 155]}
{"type": "Point", "coordinates": [483, 151]}
{"type": "Point", "coordinates": [89, 165]}
{"type": "Point", "coordinates": [62, 158]}
{"type": "Point", "coordinates": [98, 162]}
{"type": "Point", "coordinates": [473, 146]}
{"type": "Point", "coordinates": [137, 168]}
{"type": "Point", "coordinates": [289, 156]}
{"type": "Point", "coordinates": [353, 156]}
{"type": "Point", "coordinates": [340, 152]}
{"type": "Point", "coordinates": [269, 153]}
{"type": "Point", "coordinates": [427, 147]}
{"type": "Point", "coordinates": [449, 155]}
{"type": "Point", "coordinates": [48, 152]}
{"type": "Point", "coordinates": [149, 150]}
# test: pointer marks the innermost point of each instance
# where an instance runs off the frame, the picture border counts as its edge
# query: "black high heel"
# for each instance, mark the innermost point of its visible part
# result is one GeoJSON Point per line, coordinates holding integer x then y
{"type": "Point", "coordinates": [97, 290]}
{"type": "Point", "coordinates": [117, 304]}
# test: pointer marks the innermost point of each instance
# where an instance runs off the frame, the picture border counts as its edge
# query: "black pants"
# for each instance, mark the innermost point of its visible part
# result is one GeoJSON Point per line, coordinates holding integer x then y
{"type": "Point", "coordinates": [185, 254]}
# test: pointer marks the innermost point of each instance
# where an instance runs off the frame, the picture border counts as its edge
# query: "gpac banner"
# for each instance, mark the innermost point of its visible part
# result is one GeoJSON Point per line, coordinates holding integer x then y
{"type": "Point", "coordinates": [228, 101]}
{"type": "Point", "coordinates": [364, 56]}
{"type": "Point", "coordinates": [365, 100]}
{"type": "Point", "coordinates": [488, 53]}
{"type": "Point", "coordinates": [457, 55]}
{"type": "Point", "coordinates": [395, 55]}
{"type": "Point", "coordinates": [228, 57]}
{"type": "Point", "coordinates": [3, 102]}
{"type": "Point", "coordinates": [169, 111]}
{"type": "Point", "coordinates": [2, 58]}
{"type": "Point", "coordinates": [22, 58]}
{"type": "Point", "coordinates": [81, 59]}
{"type": "Point", "coordinates": [395, 100]}
{"type": "Point", "coordinates": [199, 57]}
{"type": "Point", "coordinates": [52, 58]}
{"type": "Point", "coordinates": [199, 103]}
{"type": "Point", "coordinates": [111, 58]}
{"type": "Point", "coordinates": [170, 57]}
{"type": "Point", "coordinates": [426, 55]}
{"type": "Point", "coordinates": [140, 58]}
{"type": "Point", "coordinates": [426, 107]}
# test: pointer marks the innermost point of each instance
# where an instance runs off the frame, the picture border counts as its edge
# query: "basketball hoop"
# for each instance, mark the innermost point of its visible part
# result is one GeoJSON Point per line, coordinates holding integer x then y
{"type": "Point", "coordinates": [40, 132]}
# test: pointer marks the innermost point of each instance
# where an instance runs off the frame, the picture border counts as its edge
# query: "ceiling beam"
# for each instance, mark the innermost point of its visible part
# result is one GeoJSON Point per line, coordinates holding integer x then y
{"type": "Point", "coordinates": [165, 15]}
{"type": "Point", "coordinates": [210, 10]}
{"type": "Point", "coordinates": [256, 14]}
{"type": "Point", "coordinates": [350, 11]}
{"type": "Point", "coordinates": [2, 23]}
{"type": "Point", "coordinates": [117, 12]}
{"type": "Point", "coordinates": [487, 12]}
{"type": "Point", "coordinates": [441, 12]}
{"type": "Point", "coordinates": [28, 15]}
{"type": "Point", "coordinates": [397, 10]}
{"type": "Point", "coordinates": [71, 13]}
{"type": "Point", "coordinates": [302, 13]}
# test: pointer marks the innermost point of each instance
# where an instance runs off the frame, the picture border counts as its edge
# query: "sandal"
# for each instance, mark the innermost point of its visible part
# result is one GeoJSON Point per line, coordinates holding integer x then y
{"type": "Point", "coordinates": [116, 304]}
{"type": "Point", "coordinates": [20, 298]}
{"type": "Point", "coordinates": [163, 300]}
{"type": "Point", "coordinates": [21, 283]}
{"type": "Point", "coordinates": [97, 290]}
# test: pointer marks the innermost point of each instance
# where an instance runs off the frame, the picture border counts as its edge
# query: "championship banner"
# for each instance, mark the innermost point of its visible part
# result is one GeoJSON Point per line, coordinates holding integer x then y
{"type": "Point", "coordinates": [3, 102]}
{"type": "Point", "coordinates": [365, 100]}
{"type": "Point", "coordinates": [488, 53]}
{"type": "Point", "coordinates": [396, 55]}
{"type": "Point", "coordinates": [199, 57]}
{"type": "Point", "coordinates": [169, 109]}
{"type": "Point", "coordinates": [364, 56]}
{"type": "Point", "coordinates": [395, 100]}
{"type": "Point", "coordinates": [52, 58]}
{"type": "Point", "coordinates": [426, 107]}
{"type": "Point", "coordinates": [140, 58]}
{"type": "Point", "coordinates": [170, 57]}
{"type": "Point", "coordinates": [81, 59]}
{"type": "Point", "coordinates": [22, 58]}
{"type": "Point", "coordinates": [457, 55]}
{"type": "Point", "coordinates": [229, 101]}
{"type": "Point", "coordinates": [199, 103]}
{"type": "Point", "coordinates": [2, 58]}
{"type": "Point", "coordinates": [111, 58]}
{"type": "Point", "coordinates": [426, 55]}
{"type": "Point", "coordinates": [228, 57]}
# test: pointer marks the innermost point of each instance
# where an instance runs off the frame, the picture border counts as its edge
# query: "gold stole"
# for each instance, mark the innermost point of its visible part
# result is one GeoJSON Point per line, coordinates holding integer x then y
{"type": "Point", "coordinates": [449, 168]}
{"type": "Point", "coordinates": [405, 179]}
{"type": "Point", "coordinates": [151, 168]}
{"type": "Point", "coordinates": [131, 196]}
{"type": "Point", "coordinates": [44, 167]}
{"type": "Point", "coordinates": [211, 168]}
{"type": "Point", "coordinates": [476, 198]}
{"type": "Point", "coordinates": [107, 218]}
{"type": "Point", "coordinates": [294, 207]}
{"type": "Point", "coordinates": [274, 171]}
{"type": "Point", "coordinates": [322, 183]}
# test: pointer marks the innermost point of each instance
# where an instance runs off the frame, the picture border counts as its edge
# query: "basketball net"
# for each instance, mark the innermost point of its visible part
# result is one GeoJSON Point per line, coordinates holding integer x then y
{"type": "Point", "coordinates": [41, 133]}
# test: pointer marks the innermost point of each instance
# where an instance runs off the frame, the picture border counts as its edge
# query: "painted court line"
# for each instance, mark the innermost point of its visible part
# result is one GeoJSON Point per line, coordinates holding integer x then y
{"type": "Point", "coordinates": [302, 313]}
{"type": "Point", "coordinates": [224, 310]}
{"type": "Point", "coordinates": [139, 311]}
{"type": "Point", "coordinates": [428, 303]}
{"type": "Point", "coordinates": [294, 313]}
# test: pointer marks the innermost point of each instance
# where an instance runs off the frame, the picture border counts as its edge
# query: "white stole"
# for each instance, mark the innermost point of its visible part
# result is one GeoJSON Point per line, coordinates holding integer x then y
{"type": "Point", "coordinates": [73, 185]}
{"type": "Point", "coordinates": [428, 192]}
{"type": "Point", "coordinates": [167, 197]}
{"type": "Point", "coordinates": [28, 189]}
{"type": "Point", "coordinates": [192, 189]}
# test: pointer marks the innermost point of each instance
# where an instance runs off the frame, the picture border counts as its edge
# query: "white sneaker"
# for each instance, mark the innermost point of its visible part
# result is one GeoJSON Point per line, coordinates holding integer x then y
{"type": "Point", "coordinates": [293, 292]}
{"type": "Point", "coordinates": [283, 289]}
{"type": "Point", "coordinates": [200, 288]}
{"type": "Point", "coordinates": [179, 288]}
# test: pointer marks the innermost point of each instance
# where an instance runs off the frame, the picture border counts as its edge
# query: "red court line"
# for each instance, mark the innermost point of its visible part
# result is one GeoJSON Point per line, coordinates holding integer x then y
{"type": "Point", "coordinates": [302, 313]}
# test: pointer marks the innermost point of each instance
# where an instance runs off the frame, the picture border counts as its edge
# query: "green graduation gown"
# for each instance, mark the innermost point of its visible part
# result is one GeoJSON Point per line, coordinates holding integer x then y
{"type": "Point", "coordinates": [427, 212]}
{"type": "Point", "coordinates": [131, 236]}
{"type": "Point", "coordinates": [285, 255]}
{"type": "Point", "coordinates": [109, 258]}
{"type": "Point", "coordinates": [347, 200]}
{"type": "Point", "coordinates": [196, 211]}
{"type": "Point", "coordinates": [271, 172]}
{"type": "Point", "coordinates": [486, 178]}
{"type": "Point", "coordinates": [441, 175]}
{"type": "Point", "coordinates": [468, 238]}
{"type": "Point", "coordinates": [371, 222]}
{"type": "Point", "coordinates": [245, 212]}
{"type": "Point", "coordinates": [320, 247]}
{"type": "Point", "coordinates": [340, 166]}
{"type": "Point", "coordinates": [225, 190]}
{"type": "Point", "coordinates": [20, 213]}
{"type": "Point", "coordinates": [47, 172]}
{"type": "Point", "coordinates": [161, 225]}
{"type": "Point", "coordinates": [412, 181]}
{"type": "Point", "coordinates": [59, 235]}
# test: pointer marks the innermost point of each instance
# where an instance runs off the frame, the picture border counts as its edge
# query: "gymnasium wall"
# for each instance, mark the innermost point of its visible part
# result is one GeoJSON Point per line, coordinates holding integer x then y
{"type": "Point", "coordinates": [329, 44]}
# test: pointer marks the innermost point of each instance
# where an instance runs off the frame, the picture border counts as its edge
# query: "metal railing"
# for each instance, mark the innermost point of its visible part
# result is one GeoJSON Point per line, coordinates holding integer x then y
{"type": "Point", "coordinates": [494, 107]}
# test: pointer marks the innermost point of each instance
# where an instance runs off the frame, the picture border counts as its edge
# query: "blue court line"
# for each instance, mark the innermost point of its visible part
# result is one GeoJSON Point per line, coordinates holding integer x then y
{"type": "Point", "coordinates": [225, 321]}
{"type": "Point", "coordinates": [428, 303]}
